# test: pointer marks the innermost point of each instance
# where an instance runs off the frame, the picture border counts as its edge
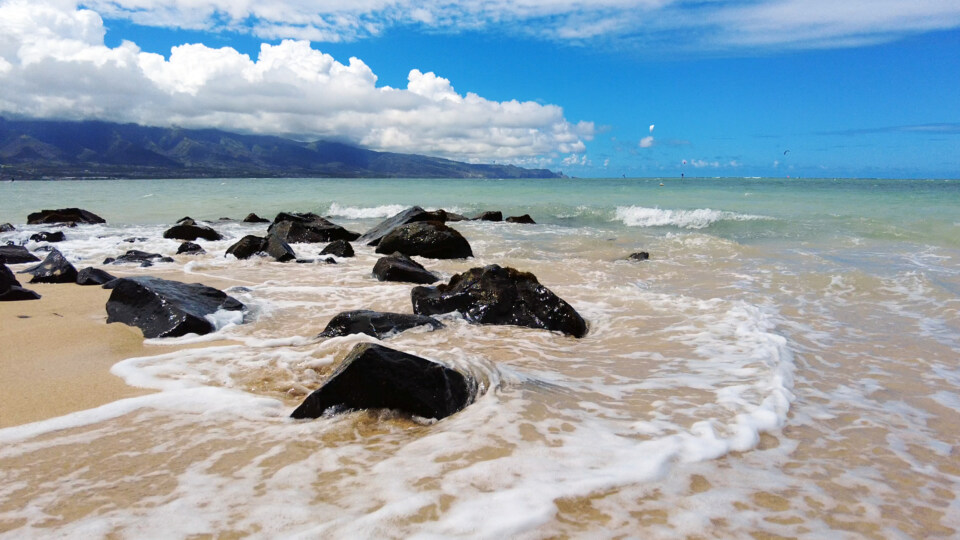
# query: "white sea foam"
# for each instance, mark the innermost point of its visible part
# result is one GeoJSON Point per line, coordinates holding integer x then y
{"type": "Point", "coordinates": [640, 216]}
{"type": "Point", "coordinates": [354, 212]}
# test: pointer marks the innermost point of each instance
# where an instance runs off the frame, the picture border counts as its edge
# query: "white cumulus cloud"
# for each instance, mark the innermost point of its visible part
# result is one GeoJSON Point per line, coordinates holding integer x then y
{"type": "Point", "coordinates": [54, 64]}
{"type": "Point", "coordinates": [646, 142]}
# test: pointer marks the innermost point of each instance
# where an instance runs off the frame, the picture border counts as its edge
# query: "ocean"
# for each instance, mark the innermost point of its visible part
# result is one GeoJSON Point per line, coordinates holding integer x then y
{"type": "Point", "coordinates": [784, 365]}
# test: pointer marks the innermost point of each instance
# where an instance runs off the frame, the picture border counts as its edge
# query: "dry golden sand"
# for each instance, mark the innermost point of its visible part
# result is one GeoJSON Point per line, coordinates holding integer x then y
{"type": "Point", "coordinates": [56, 353]}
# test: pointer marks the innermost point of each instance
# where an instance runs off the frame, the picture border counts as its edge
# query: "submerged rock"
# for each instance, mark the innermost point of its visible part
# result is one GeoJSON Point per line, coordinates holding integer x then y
{"type": "Point", "coordinates": [638, 256]}
{"type": "Point", "coordinates": [16, 255]}
{"type": "Point", "coordinates": [6, 227]}
{"type": "Point", "coordinates": [191, 232]}
{"type": "Point", "coordinates": [375, 323]}
{"type": "Point", "coordinates": [253, 218]}
{"type": "Point", "coordinates": [251, 245]}
{"type": "Point", "coordinates": [399, 267]}
{"type": "Point", "coordinates": [54, 269]}
{"type": "Point", "coordinates": [10, 288]}
{"type": "Point", "coordinates": [495, 295]}
{"type": "Point", "coordinates": [94, 276]}
{"type": "Point", "coordinates": [340, 248]}
{"type": "Point", "coordinates": [410, 215]}
{"type": "Point", "coordinates": [135, 256]}
{"type": "Point", "coordinates": [308, 228]}
{"type": "Point", "coordinates": [430, 239]}
{"type": "Point", "coordinates": [524, 219]}
{"type": "Point", "coordinates": [190, 248]}
{"type": "Point", "coordinates": [163, 308]}
{"type": "Point", "coordinates": [492, 215]}
{"type": "Point", "coordinates": [376, 377]}
{"type": "Point", "coordinates": [64, 215]}
{"type": "Point", "coordinates": [45, 236]}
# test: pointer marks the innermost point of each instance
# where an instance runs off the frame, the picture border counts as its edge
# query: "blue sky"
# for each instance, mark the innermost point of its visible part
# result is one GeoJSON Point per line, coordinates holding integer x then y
{"type": "Point", "coordinates": [746, 88]}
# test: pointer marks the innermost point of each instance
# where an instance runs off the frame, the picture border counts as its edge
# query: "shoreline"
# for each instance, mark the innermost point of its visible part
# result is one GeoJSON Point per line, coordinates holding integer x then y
{"type": "Point", "coordinates": [58, 352]}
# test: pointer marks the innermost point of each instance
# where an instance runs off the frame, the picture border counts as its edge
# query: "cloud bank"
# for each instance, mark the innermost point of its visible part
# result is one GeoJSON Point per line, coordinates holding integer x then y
{"type": "Point", "coordinates": [54, 64]}
{"type": "Point", "coordinates": [649, 24]}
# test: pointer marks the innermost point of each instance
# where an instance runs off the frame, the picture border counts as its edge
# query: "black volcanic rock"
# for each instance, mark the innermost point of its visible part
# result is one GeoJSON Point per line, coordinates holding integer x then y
{"type": "Point", "coordinates": [251, 245]}
{"type": "Point", "coordinates": [190, 249]}
{"type": "Point", "coordinates": [495, 295]}
{"type": "Point", "coordinates": [191, 232]}
{"type": "Point", "coordinates": [253, 218]}
{"type": "Point", "coordinates": [163, 308]}
{"type": "Point", "coordinates": [135, 256]}
{"type": "Point", "coordinates": [45, 236]}
{"type": "Point", "coordinates": [376, 377]}
{"type": "Point", "coordinates": [431, 239]}
{"type": "Point", "coordinates": [638, 256]}
{"type": "Point", "coordinates": [492, 215]}
{"type": "Point", "coordinates": [6, 227]}
{"type": "Point", "coordinates": [94, 276]}
{"type": "Point", "coordinates": [340, 248]}
{"type": "Point", "coordinates": [54, 269]}
{"type": "Point", "coordinates": [63, 215]}
{"type": "Point", "coordinates": [375, 323]}
{"type": "Point", "coordinates": [524, 219]}
{"type": "Point", "coordinates": [410, 215]}
{"type": "Point", "coordinates": [16, 255]}
{"type": "Point", "coordinates": [308, 228]}
{"type": "Point", "coordinates": [399, 267]}
{"type": "Point", "coordinates": [10, 288]}
{"type": "Point", "coordinates": [186, 220]}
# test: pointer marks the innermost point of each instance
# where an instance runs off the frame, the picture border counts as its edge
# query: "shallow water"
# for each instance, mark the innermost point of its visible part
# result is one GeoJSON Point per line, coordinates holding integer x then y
{"type": "Point", "coordinates": [785, 364]}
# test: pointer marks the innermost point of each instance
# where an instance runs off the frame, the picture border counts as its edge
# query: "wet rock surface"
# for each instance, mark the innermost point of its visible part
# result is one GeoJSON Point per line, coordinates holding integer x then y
{"type": "Point", "coordinates": [340, 248]}
{"type": "Point", "coordinates": [492, 215]}
{"type": "Point", "coordinates": [46, 236]}
{"type": "Point", "coordinates": [376, 377]}
{"type": "Point", "coordinates": [135, 256]}
{"type": "Point", "coordinates": [308, 228]}
{"type": "Point", "coordinates": [164, 308]}
{"type": "Point", "coordinates": [399, 267]}
{"type": "Point", "coordinates": [16, 255]}
{"type": "Point", "coordinates": [410, 215]}
{"type": "Point", "coordinates": [94, 276]}
{"type": "Point", "coordinates": [253, 218]}
{"type": "Point", "coordinates": [190, 231]}
{"type": "Point", "coordinates": [272, 246]}
{"type": "Point", "coordinates": [431, 239]}
{"type": "Point", "coordinates": [10, 288]}
{"type": "Point", "coordinates": [190, 248]}
{"type": "Point", "coordinates": [524, 219]}
{"type": "Point", "coordinates": [54, 269]}
{"type": "Point", "coordinates": [495, 295]}
{"type": "Point", "coordinates": [64, 215]}
{"type": "Point", "coordinates": [375, 323]}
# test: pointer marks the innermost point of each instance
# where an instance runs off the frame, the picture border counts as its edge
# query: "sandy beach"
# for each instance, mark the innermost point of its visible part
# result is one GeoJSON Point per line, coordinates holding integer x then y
{"type": "Point", "coordinates": [58, 351]}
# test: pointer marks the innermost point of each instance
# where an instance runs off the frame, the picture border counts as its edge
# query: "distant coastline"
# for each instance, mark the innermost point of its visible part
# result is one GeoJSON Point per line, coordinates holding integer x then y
{"type": "Point", "coordinates": [61, 150]}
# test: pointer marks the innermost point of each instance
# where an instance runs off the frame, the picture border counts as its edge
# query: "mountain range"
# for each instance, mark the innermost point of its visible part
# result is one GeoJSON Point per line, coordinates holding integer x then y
{"type": "Point", "coordinates": [38, 149]}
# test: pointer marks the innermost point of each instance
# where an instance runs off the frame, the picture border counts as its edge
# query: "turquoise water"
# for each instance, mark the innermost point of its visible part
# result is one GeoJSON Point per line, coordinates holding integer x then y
{"type": "Point", "coordinates": [784, 364]}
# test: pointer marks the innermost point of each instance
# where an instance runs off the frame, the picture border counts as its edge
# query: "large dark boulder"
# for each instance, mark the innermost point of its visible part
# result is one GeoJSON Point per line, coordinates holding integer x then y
{"type": "Point", "coordinates": [524, 219]}
{"type": "Point", "coordinates": [399, 267]}
{"type": "Point", "coordinates": [308, 228]}
{"type": "Point", "coordinates": [251, 245]}
{"type": "Point", "coordinates": [63, 215]}
{"type": "Point", "coordinates": [10, 289]}
{"type": "Point", "coordinates": [163, 308]}
{"type": "Point", "coordinates": [253, 218]}
{"type": "Point", "coordinates": [94, 276]}
{"type": "Point", "coordinates": [16, 255]}
{"type": "Point", "coordinates": [495, 295]}
{"type": "Point", "coordinates": [431, 239]}
{"type": "Point", "coordinates": [376, 377]}
{"type": "Point", "coordinates": [191, 232]}
{"type": "Point", "coordinates": [45, 236]}
{"type": "Point", "coordinates": [410, 215]}
{"type": "Point", "coordinates": [190, 248]}
{"type": "Point", "coordinates": [492, 215]}
{"type": "Point", "coordinates": [375, 323]}
{"type": "Point", "coordinates": [135, 256]}
{"type": "Point", "coordinates": [340, 248]}
{"type": "Point", "coordinates": [6, 227]}
{"type": "Point", "coordinates": [54, 269]}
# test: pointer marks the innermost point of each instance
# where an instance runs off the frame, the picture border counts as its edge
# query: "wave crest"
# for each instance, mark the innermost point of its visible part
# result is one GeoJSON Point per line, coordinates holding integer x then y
{"type": "Point", "coordinates": [353, 212]}
{"type": "Point", "coordinates": [700, 218]}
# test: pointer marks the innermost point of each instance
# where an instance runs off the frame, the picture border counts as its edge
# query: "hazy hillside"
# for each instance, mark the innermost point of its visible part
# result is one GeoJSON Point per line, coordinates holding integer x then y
{"type": "Point", "coordinates": [55, 149]}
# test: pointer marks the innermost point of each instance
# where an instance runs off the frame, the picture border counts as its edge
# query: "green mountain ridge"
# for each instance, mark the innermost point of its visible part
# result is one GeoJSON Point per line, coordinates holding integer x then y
{"type": "Point", "coordinates": [50, 149]}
